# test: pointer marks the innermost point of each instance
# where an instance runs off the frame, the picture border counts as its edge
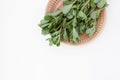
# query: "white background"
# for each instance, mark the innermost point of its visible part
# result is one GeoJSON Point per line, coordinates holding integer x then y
{"type": "Point", "coordinates": [25, 55]}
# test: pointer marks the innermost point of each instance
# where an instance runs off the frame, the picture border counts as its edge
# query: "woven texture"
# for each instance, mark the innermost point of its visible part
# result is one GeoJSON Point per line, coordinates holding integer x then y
{"type": "Point", "coordinates": [54, 4]}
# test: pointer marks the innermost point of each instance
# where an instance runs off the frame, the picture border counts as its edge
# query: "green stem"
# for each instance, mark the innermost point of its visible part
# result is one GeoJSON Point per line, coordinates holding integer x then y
{"type": "Point", "coordinates": [91, 11]}
{"type": "Point", "coordinates": [59, 27]}
{"type": "Point", "coordinates": [74, 1]}
{"type": "Point", "coordinates": [85, 4]}
{"type": "Point", "coordinates": [101, 9]}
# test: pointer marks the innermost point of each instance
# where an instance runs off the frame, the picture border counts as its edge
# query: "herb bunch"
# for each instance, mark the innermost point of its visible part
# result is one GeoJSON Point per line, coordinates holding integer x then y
{"type": "Point", "coordinates": [75, 18]}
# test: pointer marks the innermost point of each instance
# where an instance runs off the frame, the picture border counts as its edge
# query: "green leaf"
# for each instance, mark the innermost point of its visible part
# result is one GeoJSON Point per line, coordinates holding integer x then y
{"type": "Point", "coordinates": [82, 15]}
{"type": "Point", "coordinates": [106, 4]}
{"type": "Point", "coordinates": [74, 12]}
{"type": "Point", "coordinates": [42, 22]}
{"type": "Point", "coordinates": [75, 35]}
{"type": "Point", "coordinates": [50, 41]}
{"type": "Point", "coordinates": [48, 17]}
{"type": "Point", "coordinates": [66, 2]}
{"type": "Point", "coordinates": [50, 25]}
{"type": "Point", "coordinates": [56, 13]}
{"type": "Point", "coordinates": [91, 31]}
{"type": "Point", "coordinates": [45, 25]}
{"type": "Point", "coordinates": [45, 31]}
{"type": "Point", "coordinates": [74, 6]}
{"type": "Point", "coordinates": [96, 1]}
{"type": "Point", "coordinates": [64, 22]}
{"type": "Point", "coordinates": [92, 3]}
{"type": "Point", "coordinates": [56, 40]}
{"type": "Point", "coordinates": [58, 19]}
{"type": "Point", "coordinates": [65, 35]}
{"type": "Point", "coordinates": [101, 3]}
{"type": "Point", "coordinates": [67, 8]}
{"type": "Point", "coordinates": [95, 14]}
{"type": "Point", "coordinates": [74, 22]}
{"type": "Point", "coordinates": [55, 33]}
{"type": "Point", "coordinates": [70, 15]}
{"type": "Point", "coordinates": [82, 28]}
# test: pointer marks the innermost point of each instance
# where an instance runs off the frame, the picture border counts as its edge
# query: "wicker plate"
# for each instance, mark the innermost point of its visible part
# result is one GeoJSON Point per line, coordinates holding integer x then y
{"type": "Point", "coordinates": [54, 4]}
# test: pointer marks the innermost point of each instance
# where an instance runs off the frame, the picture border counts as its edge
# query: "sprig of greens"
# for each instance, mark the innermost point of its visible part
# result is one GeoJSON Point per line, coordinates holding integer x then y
{"type": "Point", "coordinates": [75, 18]}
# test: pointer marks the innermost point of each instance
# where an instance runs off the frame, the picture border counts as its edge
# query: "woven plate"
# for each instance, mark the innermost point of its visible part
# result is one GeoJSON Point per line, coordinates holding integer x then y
{"type": "Point", "coordinates": [55, 4]}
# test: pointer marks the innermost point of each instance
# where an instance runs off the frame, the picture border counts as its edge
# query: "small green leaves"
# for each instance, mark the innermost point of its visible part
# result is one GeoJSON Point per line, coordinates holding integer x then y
{"type": "Point", "coordinates": [50, 41]}
{"type": "Point", "coordinates": [82, 15]}
{"type": "Point", "coordinates": [77, 17]}
{"type": "Point", "coordinates": [43, 26]}
{"type": "Point", "coordinates": [91, 31]}
{"type": "Point", "coordinates": [75, 36]}
{"type": "Point", "coordinates": [56, 38]}
{"type": "Point", "coordinates": [96, 1]}
{"type": "Point", "coordinates": [64, 22]}
{"type": "Point", "coordinates": [101, 3]}
{"type": "Point", "coordinates": [67, 2]}
{"type": "Point", "coordinates": [82, 28]}
{"type": "Point", "coordinates": [45, 31]}
{"type": "Point", "coordinates": [42, 22]}
{"type": "Point", "coordinates": [65, 35]}
{"type": "Point", "coordinates": [55, 33]}
{"type": "Point", "coordinates": [74, 22]}
{"type": "Point", "coordinates": [92, 3]}
{"type": "Point", "coordinates": [70, 16]}
{"type": "Point", "coordinates": [48, 16]}
{"type": "Point", "coordinates": [67, 8]}
{"type": "Point", "coordinates": [95, 14]}
{"type": "Point", "coordinates": [56, 13]}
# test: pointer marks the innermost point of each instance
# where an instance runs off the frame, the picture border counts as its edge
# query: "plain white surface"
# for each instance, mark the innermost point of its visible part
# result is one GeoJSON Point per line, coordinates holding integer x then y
{"type": "Point", "coordinates": [25, 55]}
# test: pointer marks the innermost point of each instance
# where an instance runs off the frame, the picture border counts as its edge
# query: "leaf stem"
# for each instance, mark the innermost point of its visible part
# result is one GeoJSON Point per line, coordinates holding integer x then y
{"type": "Point", "coordinates": [85, 4]}
{"type": "Point", "coordinates": [74, 1]}
{"type": "Point", "coordinates": [91, 11]}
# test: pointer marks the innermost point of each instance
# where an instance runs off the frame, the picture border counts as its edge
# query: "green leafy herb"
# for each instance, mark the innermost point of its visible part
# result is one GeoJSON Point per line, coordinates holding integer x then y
{"type": "Point", "coordinates": [82, 15]}
{"type": "Point", "coordinates": [75, 35]}
{"type": "Point", "coordinates": [67, 8]}
{"type": "Point", "coordinates": [91, 31]}
{"type": "Point", "coordinates": [95, 14]}
{"type": "Point", "coordinates": [101, 3]}
{"type": "Point", "coordinates": [65, 35]}
{"type": "Point", "coordinates": [75, 18]}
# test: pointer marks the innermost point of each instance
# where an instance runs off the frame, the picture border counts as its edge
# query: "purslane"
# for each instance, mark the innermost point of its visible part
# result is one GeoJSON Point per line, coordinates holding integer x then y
{"type": "Point", "coordinates": [75, 18]}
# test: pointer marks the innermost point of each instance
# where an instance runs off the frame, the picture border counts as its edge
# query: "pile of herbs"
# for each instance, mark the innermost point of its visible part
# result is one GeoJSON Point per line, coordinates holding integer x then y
{"type": "Point", "coordinates": [75, 18]}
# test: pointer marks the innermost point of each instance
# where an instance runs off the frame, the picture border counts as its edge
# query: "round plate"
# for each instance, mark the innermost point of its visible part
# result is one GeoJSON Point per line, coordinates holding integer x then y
{"type": "Point", "coordinates": [55, 4]}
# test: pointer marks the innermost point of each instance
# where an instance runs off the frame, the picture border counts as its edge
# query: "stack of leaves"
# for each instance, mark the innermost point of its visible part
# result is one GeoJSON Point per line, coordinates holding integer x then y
{"type": "Point", "coordinates": [75, 18]}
